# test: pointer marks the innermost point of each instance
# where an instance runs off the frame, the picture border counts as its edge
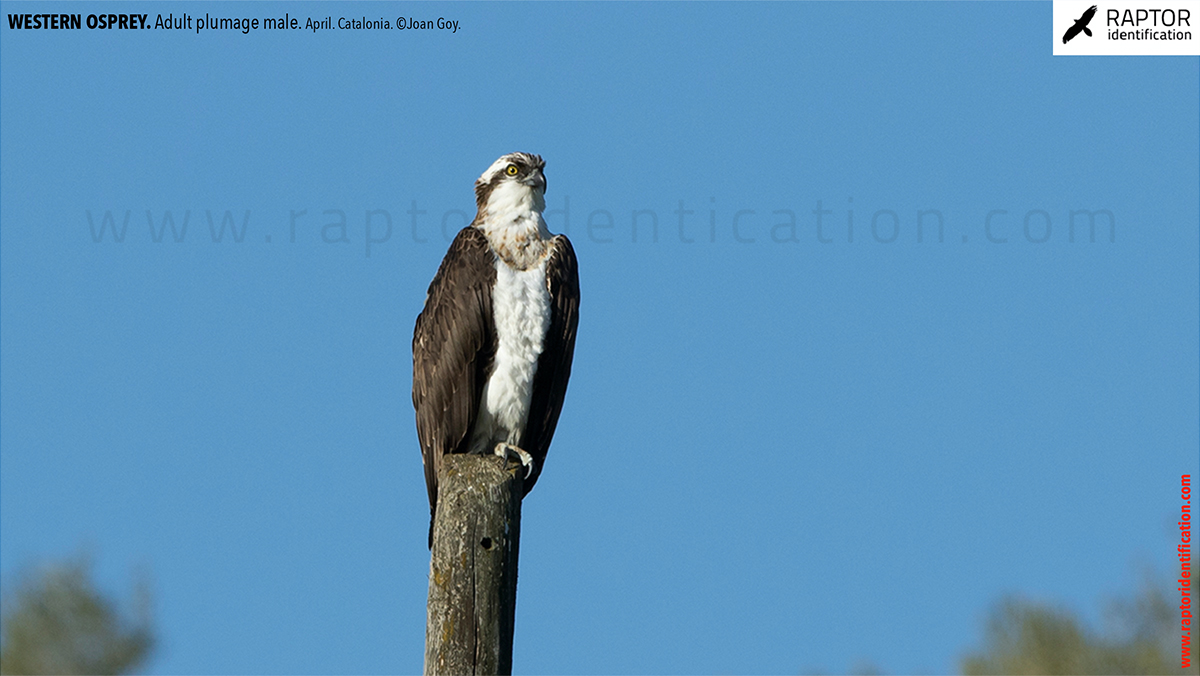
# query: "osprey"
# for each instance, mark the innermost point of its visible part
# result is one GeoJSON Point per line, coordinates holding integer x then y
{"type": "Point", "coordinates": [492, 348]}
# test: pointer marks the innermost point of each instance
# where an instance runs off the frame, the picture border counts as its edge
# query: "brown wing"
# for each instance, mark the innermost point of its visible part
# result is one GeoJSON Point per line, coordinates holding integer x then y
{"type": "Point", "coordinates": [453, 349]}
{"type": "Point", "coordinates": [554, 366]}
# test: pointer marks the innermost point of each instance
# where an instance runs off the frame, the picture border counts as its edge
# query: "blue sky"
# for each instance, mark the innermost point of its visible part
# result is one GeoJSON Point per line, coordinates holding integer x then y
{"type": "Point", "coordinates": [825, 445]}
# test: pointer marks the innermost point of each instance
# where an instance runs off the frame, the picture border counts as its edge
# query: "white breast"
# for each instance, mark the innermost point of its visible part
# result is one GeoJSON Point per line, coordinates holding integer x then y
{"type": "Point", "coordinates": [521, 311]}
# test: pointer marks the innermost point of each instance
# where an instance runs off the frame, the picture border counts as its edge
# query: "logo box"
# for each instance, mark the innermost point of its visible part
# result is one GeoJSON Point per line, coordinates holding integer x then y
{"type": "Point", "coordinates": [1146, 28]}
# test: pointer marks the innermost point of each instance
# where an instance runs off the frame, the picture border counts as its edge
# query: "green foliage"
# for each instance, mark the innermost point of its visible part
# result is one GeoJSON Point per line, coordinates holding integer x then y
{"type": "Point", "coordinates": [1024, 637]}
{"type": "Point", "coordinates": [56, 622]}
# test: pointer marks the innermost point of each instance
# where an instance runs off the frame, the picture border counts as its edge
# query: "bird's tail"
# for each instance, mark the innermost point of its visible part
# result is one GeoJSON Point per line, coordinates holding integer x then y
{"type": "Point", "coordinates": [1088, 31]}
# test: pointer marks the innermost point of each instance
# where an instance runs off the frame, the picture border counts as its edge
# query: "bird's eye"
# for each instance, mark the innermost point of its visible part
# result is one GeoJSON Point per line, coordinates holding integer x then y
{"type": "Point", "coordinates": [511, 170]}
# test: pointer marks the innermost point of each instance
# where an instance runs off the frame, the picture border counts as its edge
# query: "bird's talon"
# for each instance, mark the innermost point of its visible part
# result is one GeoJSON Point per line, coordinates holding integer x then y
{"type": "Point", "coordinates": [508, 451]}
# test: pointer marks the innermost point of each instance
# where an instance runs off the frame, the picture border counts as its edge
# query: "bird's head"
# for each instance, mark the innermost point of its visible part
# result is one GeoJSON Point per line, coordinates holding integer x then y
{"type": "Point", "coordinates": [513, 179]}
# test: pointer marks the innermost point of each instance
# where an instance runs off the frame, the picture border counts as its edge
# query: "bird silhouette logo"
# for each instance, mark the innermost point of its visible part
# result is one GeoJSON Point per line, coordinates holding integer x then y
{"type": "Point", "coordinates": [1080, 25]}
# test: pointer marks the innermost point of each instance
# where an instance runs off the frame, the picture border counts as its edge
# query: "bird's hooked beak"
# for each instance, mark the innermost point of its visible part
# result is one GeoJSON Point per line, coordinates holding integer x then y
{"type": "Point", "coordinates": [536, 180]}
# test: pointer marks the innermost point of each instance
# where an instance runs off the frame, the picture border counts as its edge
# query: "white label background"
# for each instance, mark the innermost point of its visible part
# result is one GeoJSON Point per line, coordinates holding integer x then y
{"type": "Point", "coordinates": [1067, 11]}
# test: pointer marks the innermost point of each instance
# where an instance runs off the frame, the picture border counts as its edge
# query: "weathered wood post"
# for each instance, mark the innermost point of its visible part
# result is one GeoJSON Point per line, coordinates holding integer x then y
{"type": "Point", "coordinates": [473, 567]}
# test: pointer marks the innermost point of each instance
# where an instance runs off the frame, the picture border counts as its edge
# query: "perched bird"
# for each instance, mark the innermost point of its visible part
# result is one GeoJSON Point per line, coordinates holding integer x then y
{"type": "Point", "coordinates": [1080, 25]}
{"type": "Point", "coordinates": [492, 349]}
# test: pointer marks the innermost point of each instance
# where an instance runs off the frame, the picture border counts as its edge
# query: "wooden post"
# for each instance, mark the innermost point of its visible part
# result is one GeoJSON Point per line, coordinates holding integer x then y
{"type": "Point", "coordinates": [473, 567]}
